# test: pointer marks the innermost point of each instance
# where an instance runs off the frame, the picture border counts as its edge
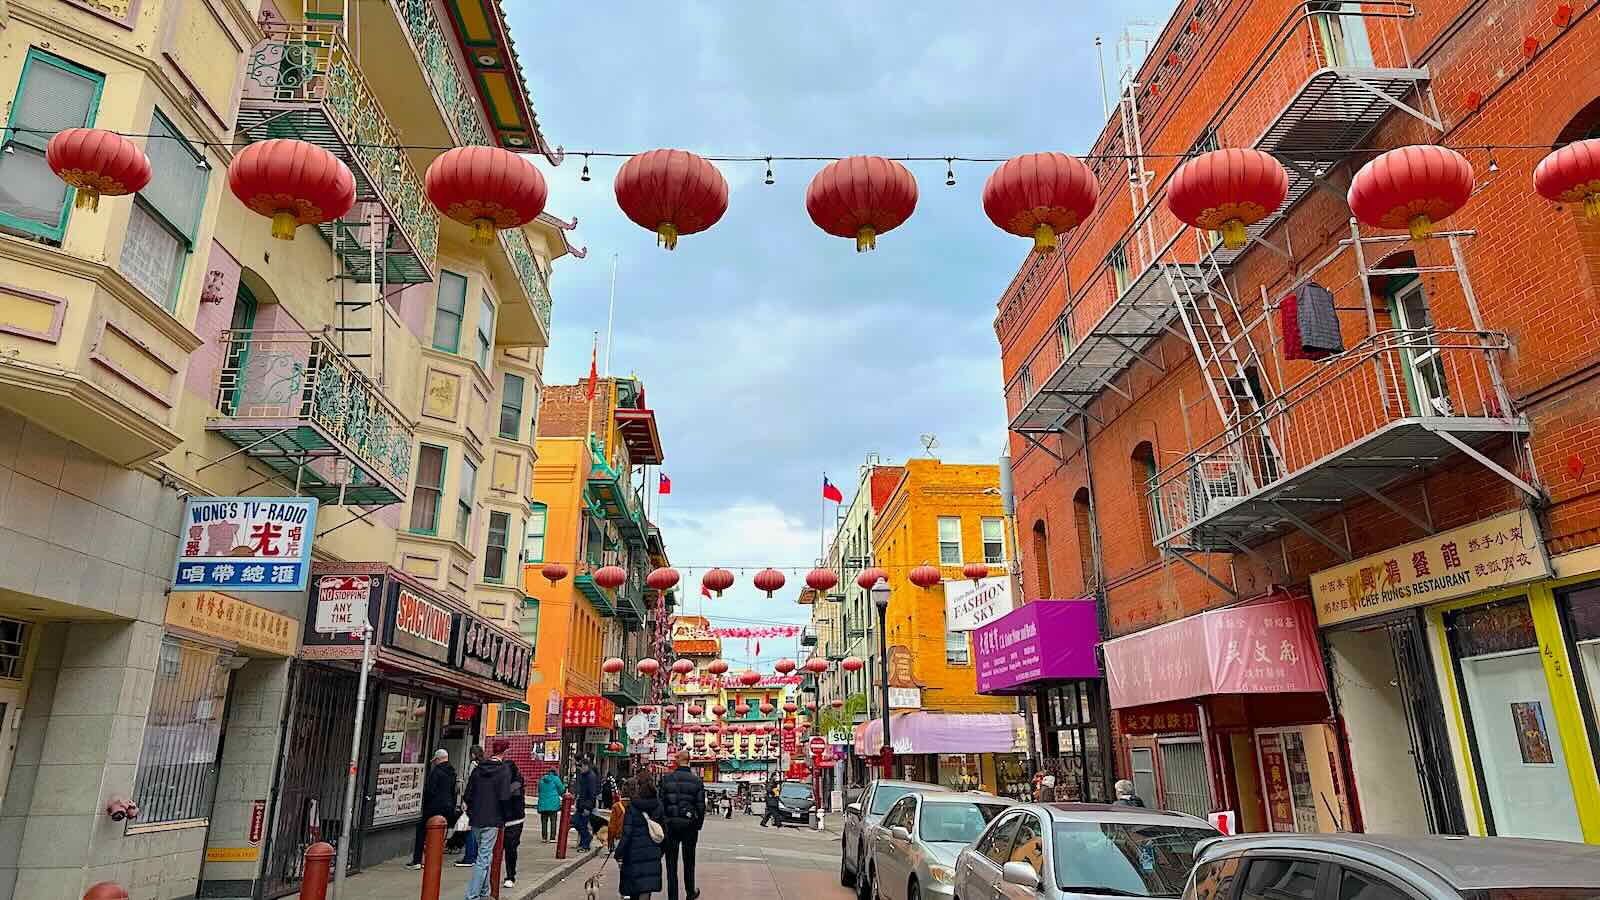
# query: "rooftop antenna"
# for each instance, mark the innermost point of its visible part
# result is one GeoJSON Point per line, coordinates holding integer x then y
{"type": "Point", "coordinates": [929, 442]}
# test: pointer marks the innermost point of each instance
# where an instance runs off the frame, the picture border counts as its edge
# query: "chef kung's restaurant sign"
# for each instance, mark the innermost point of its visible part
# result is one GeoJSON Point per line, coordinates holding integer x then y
{"type": "Point", "coordinates": [1488, 554]}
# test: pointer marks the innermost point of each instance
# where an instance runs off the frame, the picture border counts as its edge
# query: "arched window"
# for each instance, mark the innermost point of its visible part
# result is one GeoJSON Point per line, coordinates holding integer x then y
{"type": "Point", "coordinates": [1041, 559]}
{"type": "Point", "coordinates": [1143, 473]}
{"type": "Point", "coordinates": [1085, 526]}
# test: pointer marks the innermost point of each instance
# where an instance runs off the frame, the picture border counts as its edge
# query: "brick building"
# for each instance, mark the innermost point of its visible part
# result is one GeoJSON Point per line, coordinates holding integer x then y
{"type": "Point", "coordinates": [1354, 592]}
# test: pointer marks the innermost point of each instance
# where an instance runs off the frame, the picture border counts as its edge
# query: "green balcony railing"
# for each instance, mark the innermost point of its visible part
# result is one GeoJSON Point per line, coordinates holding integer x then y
{"type": "Point", "coordinates": [624, 688]}
{"type": "Point", "coordinates": [432, 40]}
{"type": "Point", "coordinates": [528, 272]}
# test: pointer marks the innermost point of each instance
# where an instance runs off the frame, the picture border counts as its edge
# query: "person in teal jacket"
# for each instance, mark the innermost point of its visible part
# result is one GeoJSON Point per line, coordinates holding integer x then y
{"type": "Point", "coordinates": [550, 791]}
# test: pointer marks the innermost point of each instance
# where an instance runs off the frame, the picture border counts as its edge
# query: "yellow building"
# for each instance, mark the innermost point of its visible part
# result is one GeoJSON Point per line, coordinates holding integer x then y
{"type": "Point", "coordinates": [165, 348]}
{"type": "Point", "coordinates": [942, 729]}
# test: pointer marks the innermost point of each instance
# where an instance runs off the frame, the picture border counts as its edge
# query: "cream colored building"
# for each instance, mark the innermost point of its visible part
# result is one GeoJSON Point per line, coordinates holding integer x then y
{"type": "Point", "coordinates": [165, 346]}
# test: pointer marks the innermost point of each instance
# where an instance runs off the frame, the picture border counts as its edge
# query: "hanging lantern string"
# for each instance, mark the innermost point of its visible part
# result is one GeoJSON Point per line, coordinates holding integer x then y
{"type": "Point", "coordinates": [767, 159]}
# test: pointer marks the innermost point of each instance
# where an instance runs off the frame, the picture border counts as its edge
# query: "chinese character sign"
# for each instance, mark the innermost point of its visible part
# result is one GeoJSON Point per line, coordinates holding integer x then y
{"type": "Point", "coordinates": [587, 712]}
{"type": "Point", "coordinates": [245, 543]}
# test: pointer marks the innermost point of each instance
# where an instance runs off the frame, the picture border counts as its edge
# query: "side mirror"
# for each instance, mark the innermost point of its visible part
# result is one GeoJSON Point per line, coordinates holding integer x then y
{"type": "Point", "coordinates": [900, 833]}
{"type": "Point", "coordinates": [1020, 873]}
{"type": "Point", "coordinates": [854, 809]}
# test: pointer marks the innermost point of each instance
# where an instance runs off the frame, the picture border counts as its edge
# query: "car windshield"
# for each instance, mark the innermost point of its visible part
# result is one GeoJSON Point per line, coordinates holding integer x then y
{"type": "Point", "coordinates": [794, 790]}
{"type": "Point", "coordinates": [885, 796]}
{"type": "Point", "coordinates": [1125, 860]}
{"type": "Point", "coordinates": [956, 823]}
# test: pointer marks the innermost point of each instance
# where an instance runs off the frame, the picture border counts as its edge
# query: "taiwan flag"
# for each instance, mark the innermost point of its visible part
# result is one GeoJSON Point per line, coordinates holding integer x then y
{"type": "Point", "coordinates": [829, 492]}
{"type": "Point", "coordinates": [666, 485]}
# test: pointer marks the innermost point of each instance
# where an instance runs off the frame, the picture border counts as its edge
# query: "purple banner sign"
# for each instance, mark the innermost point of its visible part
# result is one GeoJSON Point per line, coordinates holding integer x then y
{"type": "Point", "coordinates": [1040, 641]}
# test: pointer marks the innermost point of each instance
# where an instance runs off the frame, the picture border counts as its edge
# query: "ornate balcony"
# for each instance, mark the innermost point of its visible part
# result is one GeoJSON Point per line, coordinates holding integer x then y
{"type": "Point", "coordinates": [524, 324]}
{"type": "Point", "coordinates": [610, 497]}
{"type": "Point", "coordinates": [293, 401]}
{"type": "Point", "coordinates": [302, 82]}
{"type": "Point", "coordinates": [624, 688]}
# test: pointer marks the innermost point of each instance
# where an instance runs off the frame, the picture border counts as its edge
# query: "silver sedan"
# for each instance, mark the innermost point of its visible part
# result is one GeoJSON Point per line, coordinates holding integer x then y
{"type": "Point", "coordinates": [913, 852]}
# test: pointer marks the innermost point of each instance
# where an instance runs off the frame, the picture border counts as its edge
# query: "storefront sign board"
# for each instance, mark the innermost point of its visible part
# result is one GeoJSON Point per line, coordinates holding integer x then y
{"type": "Point", "coordinates": [1491, 553]}
{"type": "Point", "coordinates": [418, 625]}
{"type": "Point", "coordinates": [692, 636]}
{"type": "Point", "coordinates": [1275, 774]}
{"type": "Point", "coordinates": [399, 793]}
{"type": "Point", "coordinates": [342, 602]}
{"type": "Point", "coordinates": [1040, 641]}
{"type": "Point", "coordinates": [597, 735]}
{"type": "Point", "coordinates": [969, 605]}
{"type": "Point", "coordinates": [586, 711]}
{"type": "Point", "coordinates": [258, 820]}
{"type": "Point", "coordinates": [905, 698]}
{"type": "Point", "coordinates": [695, 684]}
{"type": "Point", "coordinates": [230, 619]}
{"type": "Point", "coordinates": [233, 854]}
{"type": "Point", "coordinates": [483, 649]}
{"type": "Point", "coordinates": [245, 543]}
{"type": "Point", "coordinates": [1161, 718]}
{"type": "Point", "coordinates": [840, 736]}
{"type": "Point", "coordinates": [900, 674]}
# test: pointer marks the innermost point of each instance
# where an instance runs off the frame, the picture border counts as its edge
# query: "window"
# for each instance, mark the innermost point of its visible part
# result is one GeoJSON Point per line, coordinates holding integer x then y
{"type": "Point", "coordinates": [533, 542]}
{"type": "Point", "coordinates": [52, 95]}
{"type": "Point", "coordinates": [956, 823]}
{"type": "Point", "coordinates": [1125, 860]}
{"type": "Point", "coordinates": [449, 308]}
{"type": "Point", "coordinates": [494, 553]}
{"type": "Point", "coordinates": [994, 541]}
{"type": "Point", "coordinates": [1342, 32]}
{"type": "Point", "coordinates": [949, 541]}
{"type": "Point", "coordinates": [511, 407]}
{"type": "Point", "coordinates": [1354, 886]}
{"type": "Point", "coordinates": [1041, 560]}
{"type": "Point", "coordinates": [177, 774]}
{"type": "Point", "coordinates": [13, 647]}
{"type": "Point", "coordinates": [955, 649]}
{"type": "Point", "coordinates": [403, 749]}
{"type": "Point", "coordinates": [1029, 845]}
{"type": "Point", "coordinates": [1064, 331]}
{"type": "Point", "coordinates": [1027, 383]}
{"type": "Point", "coordinates": [485, 331]}
{"type": "Point", "coordinates": [513, 719]}
{"type": "Point", "coordinates": [469, 491]}
{"type": "Point", "coordinates": [430, 486]}
{"type": "Point", "coordinates": [165, 215]}
{"type": "Point", "coordinates": [1214, 880]}
{"type": "Point", "coordinates": [528, 624]}
{"type": "Point", "coordinates": [884, 796]}
{"type": "Point", "coordinates": [1117, 262]}
{"type": "Point", "coordinates": [1083, 522]}
{"type": "Point", "coordinates": [1144, 475]}
{"type": "Point", "coordinates": [901, 813]}
{"type": "Point", "coordinates": [1281, 879]}
{"type": "Point", "coordinates": [996, 844]}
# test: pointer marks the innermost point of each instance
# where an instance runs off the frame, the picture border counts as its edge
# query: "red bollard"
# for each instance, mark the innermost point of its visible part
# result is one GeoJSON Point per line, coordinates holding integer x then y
{"type": "Point", "coordinates": [105, 890]}
{"type": "Point", "coordinates": [496, 861]}
{"type": "Point", "coordinates": [433, 857]}
{"type": "Point", "coordinates": [563, 825]}
{"type": "Point", "coordinates": [319, 865]}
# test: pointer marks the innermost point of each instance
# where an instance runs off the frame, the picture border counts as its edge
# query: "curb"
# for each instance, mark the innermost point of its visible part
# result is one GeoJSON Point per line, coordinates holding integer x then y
{"type": "Point", "coordinates": [558, 874]}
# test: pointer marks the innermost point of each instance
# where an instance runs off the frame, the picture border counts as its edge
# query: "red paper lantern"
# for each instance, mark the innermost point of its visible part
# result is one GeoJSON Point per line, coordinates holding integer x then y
{"type": "Point", "coordinates": [743, 709]}
{"type": "Point", "coordinates": [717, 581]}
{"type": "Point", "coordinates": [975, 570]}
{"type": "Point", "coordinates": [662, 579]}
{"type": "Point", "coordinates": [683, 666]}
{"type": "Point", "coordinates": [766, 708]}
{"type": "Point", "coordinates": [1411, 188]}
{"type": "Point", "coordinates": [695, 710]}
{"type": "Point", "coordinates": [647, 710]}
{"type": "Point", "coordinates": [486, 188]}
{"type": "Point", "coordinates": [925, 576]}
{"type": "Point", "coordinates": [553, 572]}
{"type": "Point", "coordinates": [790, 707]}
{"type": "Point", "coordinates": [614, 747]}
{"type": "Point", "coordinates": [1040, 195]}
{"type": "Point", "coordinates": [612, 666]}
{"type": "Point", "coordinates": [610, 577]}
{"type": "Point", "coordinates": [783, 666]}
{"type": "Point", "coordinates": [749, 678]}
{"type": "Point", "coordinates": [852, 664]}
{"type": "Point", "coordinates": [647, 666]}
{"type": "Point", "coordinates": [97, 162]}
{"type": "Point", "coordinates": [821, 580]}
{"type": "Point", "coordinates": [769, 580]}
{"type": "Point", "coordinates": [717, 666]}
{"type": "Point", "coordinates": [719, 710]}
{"type": "Point", "coordinates": [816, 665]}
{"type": "Point", "coordinates": [870, 577]}
{"type": "Point", "coordinates": [811, 705]}
{"type": "Point", "coordinates": [671, 192]}
{"type": "Point", "coordinates": [836, 703]}
{"type": "Point", "coordinates": [1569, 175]}
{"type": "Point", "coordinates": [861, 197]}
{"type": "Point", "coordinates": [293, 183]}
{"type": "Point", "coordinates": [1227, 190]}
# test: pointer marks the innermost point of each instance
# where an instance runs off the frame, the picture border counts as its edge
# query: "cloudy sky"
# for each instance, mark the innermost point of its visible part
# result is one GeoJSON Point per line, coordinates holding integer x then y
{"type": "Point", "coordinates": [772, 352]}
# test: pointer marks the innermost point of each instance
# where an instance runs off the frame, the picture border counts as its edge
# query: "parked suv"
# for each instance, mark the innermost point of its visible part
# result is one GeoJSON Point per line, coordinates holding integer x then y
{"type": "Point", "coordinates": [861, 816]}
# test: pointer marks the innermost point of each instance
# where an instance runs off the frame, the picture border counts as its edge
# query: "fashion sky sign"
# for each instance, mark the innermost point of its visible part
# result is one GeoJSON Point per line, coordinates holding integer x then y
{"type": "Point", "coordinates": [969, 605]}
{"type": "Point", "coordinates": [245, 543]}
{"type": "Point", "coordinates": [1488, 554]}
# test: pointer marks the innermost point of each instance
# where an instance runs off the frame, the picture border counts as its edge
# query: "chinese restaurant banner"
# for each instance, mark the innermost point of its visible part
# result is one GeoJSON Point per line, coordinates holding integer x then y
{"type": "Point", "coordinates": [1485, 555]}
{"type": "Point", "coordinates": [693, 636]}
{"type": "Point", "coordinates": [245, 543]}
{"type": "Point", "coordinates": [1259, 648]}
{"type": "Point", "coordinates": [220, 616]}
{"type": "Point", "coordinates": [587, 712]}
{"type": "Point", "coordinates": [1162, 718]}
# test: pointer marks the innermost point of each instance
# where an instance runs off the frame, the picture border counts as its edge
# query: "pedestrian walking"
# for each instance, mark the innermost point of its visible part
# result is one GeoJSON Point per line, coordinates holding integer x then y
{"type": "Point", "coordinates": [614, 816]}
{"type": "Point", "coordinates": [516, 813]}
{"type": "Point", "coordinates": [638, 852]}
{"type": "Point", "coordinates": [770, 814]}
{"type": "Point", "coordinates": [438, 799]}
{"type": "Point", "coordinates": [550, 791]}
{"type": "Point", "coordinates": [1047, 789]}
{"type": "Point", "coordinates": [469, 855]}
{"type": "Point", "coordinates": [683, 798]}
{"type": "Point", "coordinates": [587, 794]}
{"type": "Point", "coordinates": [1126, 796]}
{"type": "Point", "coordinates": [488, 798]}
{"type": "Point", "coordinates": [608, 791]}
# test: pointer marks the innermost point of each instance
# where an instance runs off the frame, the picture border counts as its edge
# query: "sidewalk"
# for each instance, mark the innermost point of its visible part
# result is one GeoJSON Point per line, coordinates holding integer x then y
{"type": "Point", "coordinates": [537, 871]}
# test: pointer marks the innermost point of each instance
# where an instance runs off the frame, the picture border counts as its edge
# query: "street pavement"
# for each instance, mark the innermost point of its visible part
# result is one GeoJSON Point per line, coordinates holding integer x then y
{"type": "Point", "coordinates": [739, 860]}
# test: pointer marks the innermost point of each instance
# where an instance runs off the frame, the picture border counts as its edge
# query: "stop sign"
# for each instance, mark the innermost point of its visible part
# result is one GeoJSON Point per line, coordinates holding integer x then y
{"type": "Point", "coordinates": [818, 745]}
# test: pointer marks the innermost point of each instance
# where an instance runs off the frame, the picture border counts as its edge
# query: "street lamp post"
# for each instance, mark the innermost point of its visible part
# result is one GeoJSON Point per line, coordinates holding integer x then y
{"type": "Point", "coordinates": [880, 600]}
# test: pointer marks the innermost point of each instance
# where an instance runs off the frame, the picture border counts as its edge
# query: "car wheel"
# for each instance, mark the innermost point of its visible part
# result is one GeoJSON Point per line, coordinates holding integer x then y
{"type": "Point", "coordinates": [913, 892]}
{"type": "Point", "coordinates": [867, 885]}
{"type": "Point", "coordinates": [846, 877]}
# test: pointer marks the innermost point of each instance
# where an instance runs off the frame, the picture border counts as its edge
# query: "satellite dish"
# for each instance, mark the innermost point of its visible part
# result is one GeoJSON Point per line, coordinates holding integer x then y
{"type": "Point", "coordinates": [929, 442]}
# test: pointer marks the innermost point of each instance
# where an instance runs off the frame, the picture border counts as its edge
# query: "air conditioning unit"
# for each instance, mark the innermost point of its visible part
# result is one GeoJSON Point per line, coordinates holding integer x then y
{"type": "Point", "coordinates": [1213, 487]}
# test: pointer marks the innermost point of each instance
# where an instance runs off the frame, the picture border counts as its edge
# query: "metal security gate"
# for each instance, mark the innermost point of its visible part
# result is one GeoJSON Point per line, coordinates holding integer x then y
{"type": "Point", "coordinates": [311, 775]}
{"type": "Point", "coordinates": [1425, 721]}
{"type": "Point", "coordinates": [1186, 786]}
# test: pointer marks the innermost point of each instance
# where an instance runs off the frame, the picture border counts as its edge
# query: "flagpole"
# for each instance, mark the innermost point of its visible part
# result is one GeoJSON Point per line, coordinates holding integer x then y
{"type": "Point", "coordinates": [611, 312]}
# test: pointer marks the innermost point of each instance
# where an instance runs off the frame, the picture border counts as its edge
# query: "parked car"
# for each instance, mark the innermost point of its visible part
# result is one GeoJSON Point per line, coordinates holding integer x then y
{"type": "Point", "coordinates": [1394, 867]}
{"type": "Point", "coordinates": [795, 803]}
{"type": "Point", "coordinates": [861, 816]}
{"type": "Point", "coordinates": [1076, 851]}
{"type": "Point", "coordinates": [912, 855]}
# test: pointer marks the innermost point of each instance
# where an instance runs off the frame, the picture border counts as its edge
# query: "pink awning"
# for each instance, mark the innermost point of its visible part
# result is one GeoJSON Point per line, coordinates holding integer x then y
{"type": "Point", "coordinates": [1260, 648]}
{"type": "Point", "coordinates": [930, 732]}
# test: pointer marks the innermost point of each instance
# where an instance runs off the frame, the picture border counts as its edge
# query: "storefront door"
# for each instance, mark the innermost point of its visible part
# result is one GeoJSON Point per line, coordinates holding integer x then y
{"type": "Point", "coordinates": [312, 778]}
{"type": "Point", "coordinates": [10, 712]}
{"type": "Point", "coordinates": [1186, 787]}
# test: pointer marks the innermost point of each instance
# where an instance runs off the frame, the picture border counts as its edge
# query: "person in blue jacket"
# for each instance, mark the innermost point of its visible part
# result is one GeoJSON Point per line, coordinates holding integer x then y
{"type": "Point", "coordinates": [549, 804]}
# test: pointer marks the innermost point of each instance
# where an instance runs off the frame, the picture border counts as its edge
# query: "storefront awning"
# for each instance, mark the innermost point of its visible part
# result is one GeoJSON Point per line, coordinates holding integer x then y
{"type": "Point", "coordinates": [932, 732]}
{"type": "Point", "coordinates": [1042, 641]}
{"type": "Point", "coordinates": [1267, 647]}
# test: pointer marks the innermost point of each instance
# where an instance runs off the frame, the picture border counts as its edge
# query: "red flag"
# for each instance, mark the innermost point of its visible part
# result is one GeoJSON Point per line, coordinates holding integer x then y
{"type": "Point", "coordinates": [758, 649]}
{"type": "Point", "coordinates": [594, 373]}
{"type": "Point", "coordinates": [829, 492]}
{"type": "Point", "coordinates": [666, 484]}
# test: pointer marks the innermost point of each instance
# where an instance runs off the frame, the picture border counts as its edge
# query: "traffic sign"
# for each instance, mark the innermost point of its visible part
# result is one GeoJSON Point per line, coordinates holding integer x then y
{"type": "Point", "coordinates": [817, 745]}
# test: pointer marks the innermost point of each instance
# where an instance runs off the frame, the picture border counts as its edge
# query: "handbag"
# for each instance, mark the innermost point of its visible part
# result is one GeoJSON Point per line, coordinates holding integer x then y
{"type": "Point", "coordinates": [657, 833]}
{"type": "Point", "coordinates": [462, 823]}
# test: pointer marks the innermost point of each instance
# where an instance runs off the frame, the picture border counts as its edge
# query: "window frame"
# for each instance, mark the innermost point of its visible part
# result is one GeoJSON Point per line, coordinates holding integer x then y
{"type": "Point", "coordinates": [186, 239]}
{"type": "Point", "coordinates": [939, 526]}
{"type": "Point", "coordinates": [218, 657]}
{"type": "Point", "coordinates": [466, 502]}
{"type": "Point", "coordinates": [506, 405]}
{"type": "Point", "coordinates": [485, 349]}
{"type": "Point", "coordinates": [542, 512]}
{"type": "Point", "coordinates": [438, 308]}
{"type": "Point", "coordinates": [1117, 262]}
{"type": "Point", "coordinates": [1251, 860]}
{"type": "Point", "coordinates": [1000, 522]}
{"type": "Point", "coordinates": [1012, 820]}
{"type": "Point", "coordinates": [69, 197]}
{"type": "Point", "coordinates": [438, 491]}
{"type": "Point", "coordinates": [489, 546]}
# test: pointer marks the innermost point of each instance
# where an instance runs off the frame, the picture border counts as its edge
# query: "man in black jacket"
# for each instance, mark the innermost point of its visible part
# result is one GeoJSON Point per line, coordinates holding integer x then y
{"type": "Point", "coordinates": [488, 796]}
{"type": "Point", "coordinates": [438, 799]}
{"type": "Point", "coordinates": [683, 801]}
{"type": "Point", "coordinates": [586, 794]}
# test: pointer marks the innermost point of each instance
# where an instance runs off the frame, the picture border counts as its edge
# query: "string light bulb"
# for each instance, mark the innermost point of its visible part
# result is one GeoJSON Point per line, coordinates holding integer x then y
{"type": "Point", "coordinates": [769, 170]}
{"type": "Point", "coordinates": [949, 171]}
{"type": "Point", "coordinates": [584, 175]}
{"type": "Point", "coordinates": [1494, 164]}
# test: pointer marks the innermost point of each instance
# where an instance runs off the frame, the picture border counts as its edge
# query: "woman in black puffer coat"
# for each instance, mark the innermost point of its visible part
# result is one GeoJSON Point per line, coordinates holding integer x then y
{"type": "Point", "coordinates": [638, 856]}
